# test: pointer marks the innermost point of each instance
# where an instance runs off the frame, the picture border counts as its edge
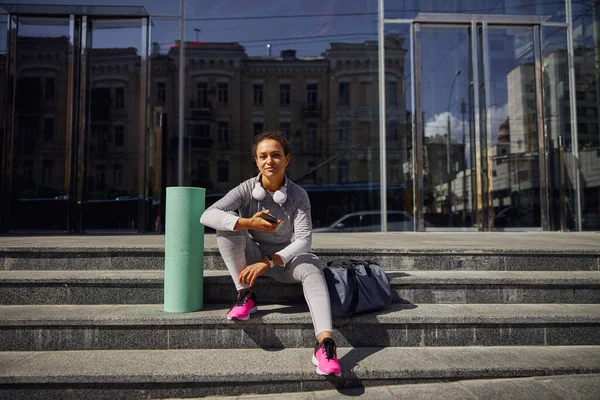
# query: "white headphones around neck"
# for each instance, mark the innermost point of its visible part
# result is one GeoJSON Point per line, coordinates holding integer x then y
{"type": "Point", "coordinates": [259, 193]}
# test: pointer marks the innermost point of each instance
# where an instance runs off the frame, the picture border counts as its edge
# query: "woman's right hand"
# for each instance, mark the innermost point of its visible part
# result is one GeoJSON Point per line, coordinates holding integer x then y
{"type": "Point", "coordinates": [256, 223]}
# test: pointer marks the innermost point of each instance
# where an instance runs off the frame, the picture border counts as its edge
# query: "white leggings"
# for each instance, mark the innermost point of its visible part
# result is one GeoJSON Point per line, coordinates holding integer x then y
{"type": "Point", "coordinates": [239, 250]}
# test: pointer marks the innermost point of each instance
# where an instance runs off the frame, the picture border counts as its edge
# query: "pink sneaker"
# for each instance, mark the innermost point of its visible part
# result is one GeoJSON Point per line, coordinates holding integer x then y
{"type": "Point", "coordinates": [244, 306]}
{"type": "Point", "coordinates": [325, 358]}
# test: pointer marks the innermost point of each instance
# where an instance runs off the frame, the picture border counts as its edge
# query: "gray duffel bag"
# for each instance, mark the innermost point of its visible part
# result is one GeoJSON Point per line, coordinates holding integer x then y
{"type": "Point", "coordinates": [357, 286]}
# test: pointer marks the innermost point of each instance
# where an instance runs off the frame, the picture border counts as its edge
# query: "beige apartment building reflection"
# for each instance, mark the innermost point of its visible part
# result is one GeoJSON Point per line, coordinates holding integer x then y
{"type": "Point", "coordinates": [327, 106]}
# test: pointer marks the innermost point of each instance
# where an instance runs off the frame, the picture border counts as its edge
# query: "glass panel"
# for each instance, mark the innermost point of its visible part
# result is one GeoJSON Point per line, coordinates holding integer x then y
{"type": "Point", "coordinates": [304, 67]}
{"type": "Point", "coordinates": [399, 142]}
{"type": "Point", "coordinates": [164, 80]}
{"type": "Point", "coordinates": [39, 156]}
{"type": "Point", "coordinates": [157, 7]}
{"type": "Point", "coordinates": [558, 125]}
{"type": "Point", "coordinates": [514, 131]}
{"type": "Point", "coordinates": [586, 29]}
{"type": "Point", "coordinates": [409, 9]}
{"type": "Point", "coordinates": [113, 135]}
{"type": "Point", "coordinates": [447, 131]}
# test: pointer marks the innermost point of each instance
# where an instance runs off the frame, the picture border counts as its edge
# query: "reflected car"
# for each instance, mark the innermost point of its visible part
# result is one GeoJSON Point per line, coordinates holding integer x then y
{"type": "Point", "coordinates": [370, 221]}
{"type": "Point", "coordinates": [513, 216]}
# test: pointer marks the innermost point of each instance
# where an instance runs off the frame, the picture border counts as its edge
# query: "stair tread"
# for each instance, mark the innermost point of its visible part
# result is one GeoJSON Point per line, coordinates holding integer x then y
{"type": "Point", "coordinates": [426, 242]}
{"type": "Point", "coordinates": [396, 277]}
{"type": "Point", "coordinates": [153, 314]}
{"type": "Point", "coordinates": [260, 365]}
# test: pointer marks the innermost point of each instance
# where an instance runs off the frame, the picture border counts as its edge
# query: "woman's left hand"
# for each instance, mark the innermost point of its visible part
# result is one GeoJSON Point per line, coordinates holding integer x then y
{"type": "Point", "coordinates": [251, 272]}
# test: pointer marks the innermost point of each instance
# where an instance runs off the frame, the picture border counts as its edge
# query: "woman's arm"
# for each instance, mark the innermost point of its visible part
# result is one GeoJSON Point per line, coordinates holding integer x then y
{"type": "Point", "coordinates": [221, 215]}
{"type": "Point", "coordinates": [302, 232]}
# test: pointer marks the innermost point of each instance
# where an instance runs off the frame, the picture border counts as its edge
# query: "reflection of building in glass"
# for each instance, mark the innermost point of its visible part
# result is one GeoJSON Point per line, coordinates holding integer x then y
{"type": "Point", "coordinates": [518, 156]}
{"type": "Point", "coordinates": [40, 117]}
{"type": "Point", "coordinates": [558, 119]}
{"type": "Point", "coordinates": [326, 106]}
{"type": "Point", "coordinates": [522, 109]}
{"type": "Point", "coordinates": [114, 123]}
{"type": "Point", "coordinates": [82, 138]}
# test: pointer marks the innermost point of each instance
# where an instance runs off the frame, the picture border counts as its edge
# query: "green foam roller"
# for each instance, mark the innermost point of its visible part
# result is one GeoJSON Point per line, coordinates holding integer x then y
{"type": "Point", "coordinates": [184, 250]}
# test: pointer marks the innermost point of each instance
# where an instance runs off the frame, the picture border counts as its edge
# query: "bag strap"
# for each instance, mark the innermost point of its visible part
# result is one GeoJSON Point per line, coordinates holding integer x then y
{"type": "Point", "coordinates": [354, 302]}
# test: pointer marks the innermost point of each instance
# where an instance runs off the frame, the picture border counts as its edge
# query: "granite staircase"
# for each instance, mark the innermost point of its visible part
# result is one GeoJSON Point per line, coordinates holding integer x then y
{"type": "Point", "coordinates": [86, 321]}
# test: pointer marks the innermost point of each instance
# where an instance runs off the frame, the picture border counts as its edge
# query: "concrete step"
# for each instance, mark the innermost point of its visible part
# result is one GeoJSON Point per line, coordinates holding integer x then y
{"type": "Point", "coordinates": [558, 387]}
{"type": "Point", "coordinates": [146, 287]}
{"type": "Point", "coordinates": [151, 257]}
{"type": "Point", "coordinates": [138, 374]}
{"type": "Point", "coordinates": [95, 327]}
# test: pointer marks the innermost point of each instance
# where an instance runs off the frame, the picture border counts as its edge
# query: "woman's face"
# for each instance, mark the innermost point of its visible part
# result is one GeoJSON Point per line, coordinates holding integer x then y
{"type": "Point", "coordinates": [271, 159]}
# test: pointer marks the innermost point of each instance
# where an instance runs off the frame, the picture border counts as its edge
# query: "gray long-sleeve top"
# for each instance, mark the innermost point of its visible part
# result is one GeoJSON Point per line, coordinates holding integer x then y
{"type": "Point", "coordinates": [294, 234]}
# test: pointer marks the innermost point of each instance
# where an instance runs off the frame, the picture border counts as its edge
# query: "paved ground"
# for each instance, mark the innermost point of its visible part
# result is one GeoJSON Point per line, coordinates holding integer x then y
{"type": "Point", "coordinates": [572, 387]}
{"type": "Point", "coordinates": [452, 241]}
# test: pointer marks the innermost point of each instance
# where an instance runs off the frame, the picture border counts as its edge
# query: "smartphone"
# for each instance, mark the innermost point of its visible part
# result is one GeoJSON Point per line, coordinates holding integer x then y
{"type": "Point", "coordinates": [268, 217]}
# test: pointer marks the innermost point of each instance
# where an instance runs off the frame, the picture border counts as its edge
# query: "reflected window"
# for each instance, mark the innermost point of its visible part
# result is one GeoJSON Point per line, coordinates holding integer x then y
{"type": "Point", "coordinates": [258, 94]}
{"type": "Point", "coordinates": [100, 176]}
{"type": "Point", "coordinates": [391, 94]}
{"type": "Point", "coordinates": [392, 131]}
{"type": "Point", "coordinates": [28, 95]}
{"type": "Point", "coordinates": [200, 131]}
{"type": "Point", "coordinates": [202, 175]}
{"type": "Point", "coordinates": [48, 128]}
{"type": "Point", "coordinates": [394, 173]}
{"type": "Point", "coordinates": [311, 135]}
{"type": "Point", "coordinates": [223, 92]}
{"type": "Point", "coordinates": [284, 128]}
{"type": "Point", "coordinates": [120, 98]}
{"type": "Point", "coordinates": [344, 94]}
{"type": "Point", "coordinates": [119, 138]}
{"type": "Point", "coordinates": [161, 92]}
{"type": "Point", "coordinates": [47, 172]}
{"type": "Point", "coordinates": [27, 168]}
{"type": "Point", "coordinates": [344, 131]}
{"type": "Point", "coordinates": [311, 95]}
{"type": "Point", "coordinates": [118, 174]}
{"type": "Point", "coordinates": [223, 132]}
{"type": "Point", "coordinates": [285, 94]}
{"type": "Point", "coordinates": [201, 95]}
{"type": "Point", "coordinates": [311, 173]}
{"type": "Point", "coordinates": [49, 88]}
{"type": "Point", "coordinates": [343, 171]}
{"type": "Point", "coordinates": [223, 171]}
{"type": "Point", "coordinates": [258, 128]}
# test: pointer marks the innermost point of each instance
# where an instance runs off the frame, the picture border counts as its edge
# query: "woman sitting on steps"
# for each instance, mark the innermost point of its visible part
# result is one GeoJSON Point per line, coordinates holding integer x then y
{"type": "Point", "coordinates": [252, 246]}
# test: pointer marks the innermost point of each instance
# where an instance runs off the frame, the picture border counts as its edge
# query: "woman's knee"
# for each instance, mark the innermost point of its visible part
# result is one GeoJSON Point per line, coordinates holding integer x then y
{"type": "Point", "coordinates": [306, 264]}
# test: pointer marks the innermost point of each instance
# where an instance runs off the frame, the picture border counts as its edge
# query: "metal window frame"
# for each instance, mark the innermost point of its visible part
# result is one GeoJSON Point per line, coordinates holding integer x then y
{"type": "Point", "coordinates": [418, 185]}
{"type": "Point", "coordinates": [542, 131]}
{"type": "Point", "coordinates": [144, 103]}
{"type": "Point", "coordinates": [9, 121]}
{"type": "Point", "coordinates": [488, 205]}
{"type": "Point", "coordinates": [382, 122]}
{"type": "Point", "coordinates": [574, 131]}
{"type": "Point", "coordinates": [477, 116]}
{"type": "Point", "coordinates": [71, 142]}
{"type": "Point", "coordinates": [181, 99]}
{"type": "Point", "coordinates": [83, 126]}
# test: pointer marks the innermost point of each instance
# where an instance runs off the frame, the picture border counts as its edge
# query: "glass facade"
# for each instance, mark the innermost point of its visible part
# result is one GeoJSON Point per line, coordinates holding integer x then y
{"type": "Point", "coordinates": [402, 115]}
